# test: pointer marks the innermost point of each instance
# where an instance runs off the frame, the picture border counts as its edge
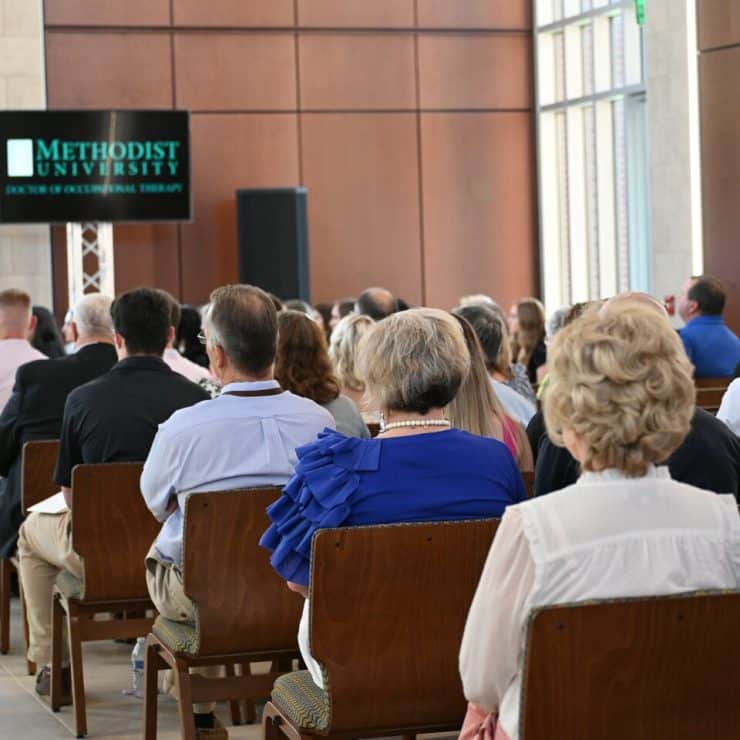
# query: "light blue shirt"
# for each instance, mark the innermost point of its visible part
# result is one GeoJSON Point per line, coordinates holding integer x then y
{"type": "Point", "coordinates": [514, 403]}
{"type": "Point", "coordinates": [225, 443]}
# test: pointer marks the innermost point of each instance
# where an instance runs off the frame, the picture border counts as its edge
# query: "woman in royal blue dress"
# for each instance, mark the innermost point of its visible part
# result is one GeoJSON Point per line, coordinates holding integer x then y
{"type": "Point", "coordinates": [418, 469]}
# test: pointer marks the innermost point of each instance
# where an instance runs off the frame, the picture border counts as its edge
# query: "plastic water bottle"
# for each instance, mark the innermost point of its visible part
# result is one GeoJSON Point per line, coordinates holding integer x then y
{"type": "Point", "coordinates": [137, 668]}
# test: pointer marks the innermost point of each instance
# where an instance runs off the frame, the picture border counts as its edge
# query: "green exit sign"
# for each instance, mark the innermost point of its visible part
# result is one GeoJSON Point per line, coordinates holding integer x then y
{"type": "Point", "coordinates": [640, 10]}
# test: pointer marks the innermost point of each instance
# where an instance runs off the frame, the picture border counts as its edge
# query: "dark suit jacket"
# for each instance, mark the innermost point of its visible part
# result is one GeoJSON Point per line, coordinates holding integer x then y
{"type": "Point", "coordinates": [34, 411]}
{"type": "Point", "coordinates": [708, 458]}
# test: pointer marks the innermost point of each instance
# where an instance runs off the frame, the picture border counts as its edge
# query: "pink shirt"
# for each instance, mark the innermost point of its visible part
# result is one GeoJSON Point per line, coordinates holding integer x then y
{"type": "Point", "coordinates": [13, 354]}
{"type": "Point", "coordinates": [191, 370]}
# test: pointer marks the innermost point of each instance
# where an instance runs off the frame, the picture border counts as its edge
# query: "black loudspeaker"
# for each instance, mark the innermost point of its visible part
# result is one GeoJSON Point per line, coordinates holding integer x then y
{"type": "Point", "coordinates": [272, 227]}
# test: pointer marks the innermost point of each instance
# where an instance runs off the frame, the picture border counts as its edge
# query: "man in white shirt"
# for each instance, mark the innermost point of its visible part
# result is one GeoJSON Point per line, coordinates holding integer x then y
{"type": "Point", "coordinates": [244, 438]}
{"type": "Point", "coordinates": [178, 363]}
{"type": "Point", "coordinates": [17, 323]}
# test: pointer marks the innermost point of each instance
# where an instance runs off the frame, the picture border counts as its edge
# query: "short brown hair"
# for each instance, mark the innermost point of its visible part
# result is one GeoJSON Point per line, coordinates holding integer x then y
{"type": "Point", "coordinates": [622, 381]}
{"type": "Point", "coordinates": [175, 312]}
{"type": "Point", "coordinates": [15, 298]}
{"type": "Point", "coordinates": [302, 363]}
{"type": "Point", "coordinates": [242, 320]}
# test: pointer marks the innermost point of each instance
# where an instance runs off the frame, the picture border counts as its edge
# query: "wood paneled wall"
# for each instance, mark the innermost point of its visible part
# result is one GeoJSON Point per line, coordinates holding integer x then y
{"type": "Point", "coordinates": [409, 121]}
{"type": "Point", "coordinates": [719, 100]}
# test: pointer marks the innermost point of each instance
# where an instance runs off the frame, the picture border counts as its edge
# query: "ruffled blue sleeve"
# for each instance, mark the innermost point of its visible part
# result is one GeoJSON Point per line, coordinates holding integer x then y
{"type": "Point", "coordinates": [318, 496]}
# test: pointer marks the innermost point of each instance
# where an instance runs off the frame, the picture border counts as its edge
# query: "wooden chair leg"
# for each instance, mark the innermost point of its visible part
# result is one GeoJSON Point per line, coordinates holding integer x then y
{"type": "Point", "coordinates": [185, 703]}
{"type": "Point", "coordinates": [234, 704]}
{"type": "Point", "coordinates": [5, 571]}
{"type": "Point", "coordinates": [57, 615]}
{"type": "Point", "coordinates": [30, 665]}
{"type": "Point", "coordinates": [78, 681]}
{"type": "Point", "coordinates": [151, 666]}
{"type": "Point", "coordinates": [251, 709]}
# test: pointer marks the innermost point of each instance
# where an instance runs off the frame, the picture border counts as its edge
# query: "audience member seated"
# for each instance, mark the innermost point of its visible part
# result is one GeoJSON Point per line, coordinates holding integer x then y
{"type": "Point", "coordinates": [47, 338]}
{"type": "Point", "coordinates": [324, 312]}
{"type": "Point", "coordinates": [339, 310]}
{"type": "Point", "coordinates": [176, 361]}
{"type": "Point", "coordinates": [68, 335]}
{"type": "Point", "coordinates": [110, 419]}
{"type": "Point", "coordinates": [527, 327]}
{"type": "Point", "coordinates": [345, 342]}
{"type": "Point", "coordinates": [621, 398]}
{"type": "Point", "coordinates": [302, 366]}
{"type": "Point", "coordinates": [708, 458]}
{"type": "Point", "coordinates": [36, 406]}
{"type": "Point", "coordinates": [491, 332]}
{"type": "Point", "coordinates": [729, 410]}
{"type": "Point", "coordinates": [477, 410]}
{"type": "Point", "coordinates": [244, 438]}
{"type": "Point", "coordinates": [17, 323]}
{"type": "Point", "coordinates": [712, 348]}
{"type": "Point", "coordinates": [377, 303]}
{"type": "Point", "coordinates": [417, 469]}
{"type": "Point", "coordinates": [186, 339]}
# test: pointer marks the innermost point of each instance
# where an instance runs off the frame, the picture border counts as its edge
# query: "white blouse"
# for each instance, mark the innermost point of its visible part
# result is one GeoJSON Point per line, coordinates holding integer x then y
{"type": "Point", "coordinates": [729, 410]}
{"type": "Point", "coordinates": [606, 536]}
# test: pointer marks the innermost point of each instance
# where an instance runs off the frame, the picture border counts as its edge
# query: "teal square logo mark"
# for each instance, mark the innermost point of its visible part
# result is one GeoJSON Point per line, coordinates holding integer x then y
{"type": "Point", "coordinates": [20, 158]}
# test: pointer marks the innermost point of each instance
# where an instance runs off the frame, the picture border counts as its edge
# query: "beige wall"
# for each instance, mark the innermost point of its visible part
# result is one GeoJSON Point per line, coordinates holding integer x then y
{"type": "Point", "coordinates": [25, 260]}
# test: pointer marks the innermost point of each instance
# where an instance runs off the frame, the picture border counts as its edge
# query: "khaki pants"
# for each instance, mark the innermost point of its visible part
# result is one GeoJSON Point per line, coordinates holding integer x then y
{"type": "Point", "coordinates": [164, 582]}
{"type": "Point", "coordinates": [45, 549]}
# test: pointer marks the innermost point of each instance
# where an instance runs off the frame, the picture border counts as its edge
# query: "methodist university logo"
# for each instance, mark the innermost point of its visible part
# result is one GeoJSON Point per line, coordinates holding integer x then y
{"type": "Point", "coordinates": [56, 158]}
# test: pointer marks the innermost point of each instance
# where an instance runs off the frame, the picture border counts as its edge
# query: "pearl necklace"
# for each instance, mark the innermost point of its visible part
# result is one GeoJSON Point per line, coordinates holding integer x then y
{"type": "Point", "coordinates": [415, 423]}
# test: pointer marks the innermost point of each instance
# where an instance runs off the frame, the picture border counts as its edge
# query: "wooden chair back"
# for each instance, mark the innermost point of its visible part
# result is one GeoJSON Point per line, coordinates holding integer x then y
{"type": "Point", "coordinates": [243, 604]}
{"type": "Point", "coordinates": [709, 392]}
{"type": "Point", "coordinates": [646, 668]}
{"type": "Point", "coordinates": [38, 461]}
{"type": "Point", "coordinates": [112, 530]}
{"type": "Point", "coordinates": [387, 612]}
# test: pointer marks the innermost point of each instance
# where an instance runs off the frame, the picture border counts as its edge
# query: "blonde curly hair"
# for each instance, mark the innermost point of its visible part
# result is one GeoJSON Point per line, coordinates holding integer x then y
{"type": "Point", "coordinates": [622, 381]}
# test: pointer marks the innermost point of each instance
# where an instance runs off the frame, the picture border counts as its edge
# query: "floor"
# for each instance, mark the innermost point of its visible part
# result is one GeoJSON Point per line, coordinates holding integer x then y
{"type": "Point", "coordinates": [110, 714]}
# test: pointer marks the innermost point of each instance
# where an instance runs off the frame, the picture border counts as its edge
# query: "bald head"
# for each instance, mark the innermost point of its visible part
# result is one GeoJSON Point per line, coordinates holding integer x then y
{"type": "Point", "coordinates": [633, 299]}
{"type": "Point", "coordinates": [377, 303]}
{"type": "Point", "coordinates": [16, 318]}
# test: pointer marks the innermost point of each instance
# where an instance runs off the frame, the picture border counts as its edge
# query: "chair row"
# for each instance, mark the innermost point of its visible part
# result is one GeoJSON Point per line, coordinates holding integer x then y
{"type": "Point", "coordinates": [388, 645]}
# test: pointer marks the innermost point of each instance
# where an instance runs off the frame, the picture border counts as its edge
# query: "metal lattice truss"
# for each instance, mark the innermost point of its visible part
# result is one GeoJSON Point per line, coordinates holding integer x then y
{"type": "Point", "coordinates": [90, 266]}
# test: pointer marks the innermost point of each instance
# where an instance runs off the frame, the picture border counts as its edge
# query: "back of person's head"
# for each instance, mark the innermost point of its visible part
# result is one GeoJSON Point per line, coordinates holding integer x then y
{"type": "Point", "coordinates": [490, 328]}
{"type": "Point", "coordinates": [556, 321]}
{"type": "Point", "coordinates": [279, 305]}
{"type": "Point", "coordinates": [413, 361]}
{"type": "Point", "coordinates": [708, 294]}
{"type": "Point", "coordinates": [302, 364]}
{"type": "Point", "coordinates": [142, 317]}
{"type": "Point", "coordinates": [296, 304]}
{"type": "Point", "coordinates": [345, 342]}
{"type": "Point", "coordinates": [620, 380]}
{"type": "Point", "coordinates": [473, 299]}
{"type": "Point", "coordinates": [377, 303]}
{"type": "Point", "coordinates": [473, 407]}
{"type": "Point", "coordinates": [92, 316]}
{"type": "Point", "coordinates": [175, 310]}
{"type": "Point", "coordinates": [242, 320]}
{"type": "Point", "coordinates": [15, 313]}
{"type": "Point", "coordinates": [47, 338]}
{"type": "Point", "coordinates": [530, 328]}
{"type": "Point", "coordinates": [188, 330]}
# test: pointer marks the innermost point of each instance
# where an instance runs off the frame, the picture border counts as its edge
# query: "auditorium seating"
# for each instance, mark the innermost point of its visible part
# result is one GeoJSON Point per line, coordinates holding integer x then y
{"type": "Point", "coordinates": [648, 668]}
{"type": "Point", "coordinates": [246, 613]}
{"type": "Point", "coordinates": [37, 483]}
{"type": "Point", "coordinates": [112, 530]}
{"type": "Point", "coordinates": [709, 392]}
{"type": "Point", "coordinates": [388, 607]}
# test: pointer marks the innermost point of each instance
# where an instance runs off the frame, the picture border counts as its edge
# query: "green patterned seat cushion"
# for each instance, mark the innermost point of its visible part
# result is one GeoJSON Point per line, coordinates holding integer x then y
{"type": "Point", "coordinates": [69, 585]}
{"type": "Point", "coordinates": [179, 637]}
{"type": "Point", "coordinates": [302, 701]}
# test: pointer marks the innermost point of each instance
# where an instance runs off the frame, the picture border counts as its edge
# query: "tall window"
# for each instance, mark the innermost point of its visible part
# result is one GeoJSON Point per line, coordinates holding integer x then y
{"type": "Point", "coordinates": [592, 149]}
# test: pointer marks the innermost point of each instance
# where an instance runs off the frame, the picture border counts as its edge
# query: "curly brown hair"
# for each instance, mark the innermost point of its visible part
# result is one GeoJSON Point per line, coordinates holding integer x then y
{"type": "Point", "coordinates": [302, 364]}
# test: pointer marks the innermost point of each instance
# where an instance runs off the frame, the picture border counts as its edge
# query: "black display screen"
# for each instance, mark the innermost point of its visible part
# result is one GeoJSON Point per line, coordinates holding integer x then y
{"type": "Point", "coordinates": [106, 166]}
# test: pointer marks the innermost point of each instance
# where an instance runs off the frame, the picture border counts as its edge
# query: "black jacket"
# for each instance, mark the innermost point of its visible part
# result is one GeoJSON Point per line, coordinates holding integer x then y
{"type": "Point", "coordinates": [708, 458]}
{"type": "Point", "coordinates": [34, 411]}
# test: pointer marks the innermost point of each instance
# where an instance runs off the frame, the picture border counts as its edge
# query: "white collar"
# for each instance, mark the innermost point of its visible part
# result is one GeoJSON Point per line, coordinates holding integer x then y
{"type": "Point", "coordinates": [611, 474]}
